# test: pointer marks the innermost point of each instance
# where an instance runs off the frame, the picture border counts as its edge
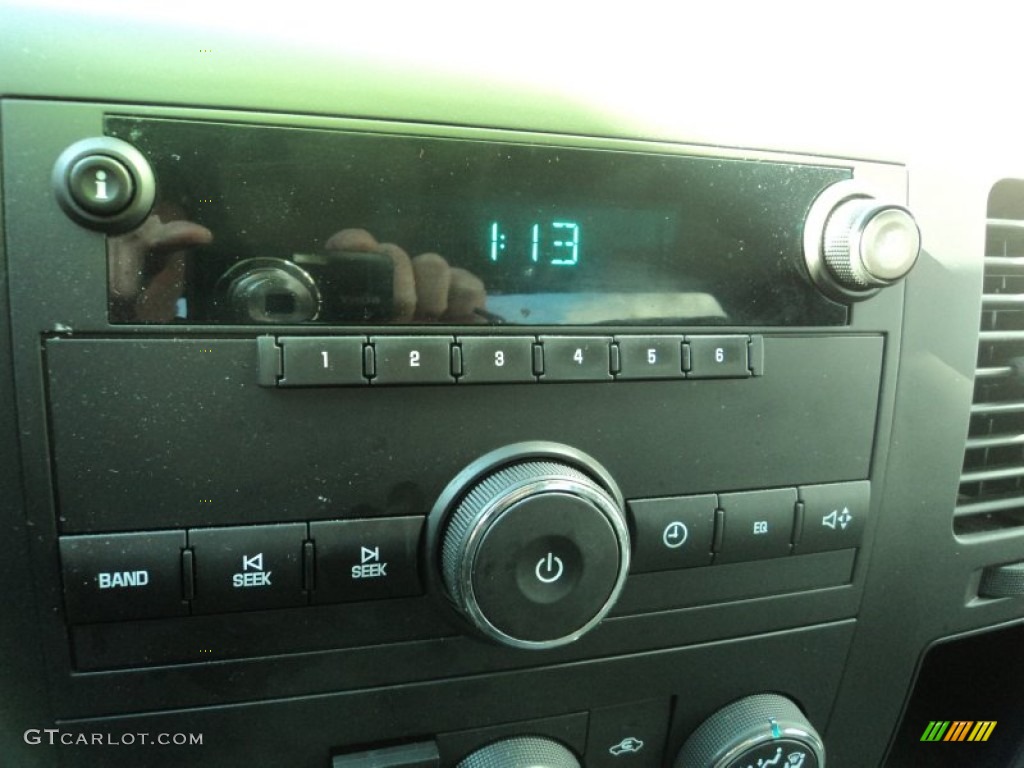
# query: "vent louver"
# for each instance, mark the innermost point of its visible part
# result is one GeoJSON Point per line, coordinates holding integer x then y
{"type": "Point", "coordinates": [992, 482]}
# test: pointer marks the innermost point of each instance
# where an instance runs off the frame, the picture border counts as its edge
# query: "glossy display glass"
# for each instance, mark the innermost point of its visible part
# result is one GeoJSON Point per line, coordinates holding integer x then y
{"type": "Point", "coordinates": [259, 225]}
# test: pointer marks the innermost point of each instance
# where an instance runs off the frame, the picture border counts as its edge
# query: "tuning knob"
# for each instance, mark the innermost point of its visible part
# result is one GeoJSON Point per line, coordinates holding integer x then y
{"type": "Point", "coordinates": [522, 752]}
{"type": "Point", "coordinates": [855, 244]}
{"type": "Point", "coordinates": [762, 730]}
{"type": "Point", "coordinates": [534, 551]}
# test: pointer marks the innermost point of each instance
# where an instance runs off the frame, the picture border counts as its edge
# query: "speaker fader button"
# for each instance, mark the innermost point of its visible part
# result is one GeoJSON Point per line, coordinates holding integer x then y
{"type": "Point", "coordinates": [833, 516]}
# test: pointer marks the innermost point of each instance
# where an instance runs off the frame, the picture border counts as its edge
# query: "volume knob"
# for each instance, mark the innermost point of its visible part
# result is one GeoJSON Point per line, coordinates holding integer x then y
{"type": "Point", "coordinates": [535, 552]}
{"type": "Point", "coordinates": [855, 244]}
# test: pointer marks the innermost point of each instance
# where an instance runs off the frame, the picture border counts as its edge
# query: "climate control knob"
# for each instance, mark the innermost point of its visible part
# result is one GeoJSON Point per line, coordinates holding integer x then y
{"type": "Point", "coordinates": [534, 552]}
{"type": "Point", "coordinates": [522, 752]}
{"type": "Point", "coordinates": [762, 730]}
{"type": "Point", "coordinates": [855, 244]}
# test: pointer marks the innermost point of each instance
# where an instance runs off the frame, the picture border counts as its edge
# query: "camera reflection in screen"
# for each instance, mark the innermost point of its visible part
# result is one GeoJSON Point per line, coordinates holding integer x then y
{"type": "Point", "coordinates": [354, 279]}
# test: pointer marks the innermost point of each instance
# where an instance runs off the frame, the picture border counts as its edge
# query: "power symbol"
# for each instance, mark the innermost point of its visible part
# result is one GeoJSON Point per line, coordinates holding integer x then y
{"type": "Point", "coordinates": [550, 569]}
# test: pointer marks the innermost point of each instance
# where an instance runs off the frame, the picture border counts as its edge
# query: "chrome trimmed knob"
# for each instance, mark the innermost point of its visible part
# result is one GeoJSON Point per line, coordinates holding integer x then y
{"type": "Point", "coordinates": [533, 550]}
{"type": "Point", "coordinates": [855, 244]}
{"type": "Point", "coordinates": [766, 727]}
{"type": "Point", "coordinates": [521, 752]}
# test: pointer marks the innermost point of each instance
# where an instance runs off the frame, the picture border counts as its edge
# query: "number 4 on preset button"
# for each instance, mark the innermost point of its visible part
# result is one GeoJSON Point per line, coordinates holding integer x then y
{"type": "Point", "coordinates": [576, 358]}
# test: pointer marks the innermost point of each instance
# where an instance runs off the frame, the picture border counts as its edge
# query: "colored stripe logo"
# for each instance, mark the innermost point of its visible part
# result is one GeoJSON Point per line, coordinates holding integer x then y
{"type": "Point", "coordinates": [958, 730]}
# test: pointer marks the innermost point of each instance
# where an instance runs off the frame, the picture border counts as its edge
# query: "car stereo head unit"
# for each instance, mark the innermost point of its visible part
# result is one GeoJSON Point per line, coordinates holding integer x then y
{"type": "Point", "coordinates": [404, 384]}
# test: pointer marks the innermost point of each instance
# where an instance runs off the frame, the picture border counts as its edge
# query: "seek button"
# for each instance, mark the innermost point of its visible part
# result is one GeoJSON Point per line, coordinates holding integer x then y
{"type": "Point", "coordinates": [366, 559]}
{"type": "Point", "coordinates": [248, 568]}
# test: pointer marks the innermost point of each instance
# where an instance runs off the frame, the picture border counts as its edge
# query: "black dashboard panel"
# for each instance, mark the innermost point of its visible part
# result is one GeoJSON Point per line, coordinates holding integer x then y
{"type": "Point", "coordinates": [341, 430]}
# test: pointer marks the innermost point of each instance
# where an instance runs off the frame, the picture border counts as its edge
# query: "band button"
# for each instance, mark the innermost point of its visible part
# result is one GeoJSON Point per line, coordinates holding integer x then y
{"type": "Point", "coordinates": [123, 576]}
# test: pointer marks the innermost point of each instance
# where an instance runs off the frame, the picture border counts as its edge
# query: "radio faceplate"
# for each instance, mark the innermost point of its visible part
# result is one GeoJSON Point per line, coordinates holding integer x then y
{"type": "Point", "coordinates": [206, 434]}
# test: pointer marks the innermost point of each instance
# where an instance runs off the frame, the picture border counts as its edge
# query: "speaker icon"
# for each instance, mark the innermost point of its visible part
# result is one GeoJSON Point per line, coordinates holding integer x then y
{"type": "Point", "coordinates": [835, 517]}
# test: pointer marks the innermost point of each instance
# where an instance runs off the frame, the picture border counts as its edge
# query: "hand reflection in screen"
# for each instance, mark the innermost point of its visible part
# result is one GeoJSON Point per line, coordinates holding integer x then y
{"type": "Point", "coordinates": [147, 265]}
{"type": "Point", "coordinates": [148, 273]}
{"type": "Point", "coordinates": [426, 288]}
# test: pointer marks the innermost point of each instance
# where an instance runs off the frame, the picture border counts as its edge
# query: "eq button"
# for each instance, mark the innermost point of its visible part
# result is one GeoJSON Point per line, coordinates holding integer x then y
{"type": "Point", "coordinates": [757, 524]}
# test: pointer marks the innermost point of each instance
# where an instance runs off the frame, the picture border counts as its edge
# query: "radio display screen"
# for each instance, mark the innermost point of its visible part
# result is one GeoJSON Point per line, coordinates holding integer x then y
{"type": "Point", "coordinates": [264, 225]}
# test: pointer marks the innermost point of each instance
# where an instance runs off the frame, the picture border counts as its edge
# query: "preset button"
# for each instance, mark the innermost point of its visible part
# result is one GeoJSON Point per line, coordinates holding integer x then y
{"type": "Point", "coordinates": [576, 358]}
{"type": "Point", "coordinates": [322, 361]}
{"type": "Point", "coordinates": [718, 357]}
{"type": "Point", "coordinates": [650, 357]}
{"type": "Point", "coordinates": [493, 360]}
{"type": "Point", "coordinates": [413, 359]}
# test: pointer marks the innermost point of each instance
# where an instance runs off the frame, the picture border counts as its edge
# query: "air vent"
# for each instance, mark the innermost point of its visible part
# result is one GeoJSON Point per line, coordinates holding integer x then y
{"type": "Point", "coordinates": [992, 482]}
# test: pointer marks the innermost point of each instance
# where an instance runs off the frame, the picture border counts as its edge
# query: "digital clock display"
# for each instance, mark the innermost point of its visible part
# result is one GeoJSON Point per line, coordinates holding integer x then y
{"type": "Point", "coordinates": [259, 224]}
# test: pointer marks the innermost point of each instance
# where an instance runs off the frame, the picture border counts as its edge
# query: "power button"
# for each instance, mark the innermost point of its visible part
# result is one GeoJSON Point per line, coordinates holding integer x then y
{"type": "Point", "coordinates": [546, 567]}
{"type": "Point", "coordinates": [535, 553]}
{"type": "Point", "coordinates": [550, 569]}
